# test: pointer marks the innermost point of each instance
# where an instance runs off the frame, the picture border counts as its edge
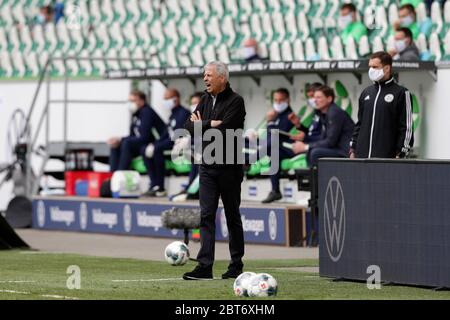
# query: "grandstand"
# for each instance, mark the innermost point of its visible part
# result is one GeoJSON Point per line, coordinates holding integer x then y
{"type": "Point", "coordinates": [192, 32]}
{"type": "Point", "coordinates": [68, 80]}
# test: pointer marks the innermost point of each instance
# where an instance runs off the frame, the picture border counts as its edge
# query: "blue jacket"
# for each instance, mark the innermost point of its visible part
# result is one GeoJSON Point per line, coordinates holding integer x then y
{"type": "Point", "coordinates": [145, 124]}
{"type": "Point", "coordinates": [281, 123]}
{"type": "Point", "coordinates": [337, 130]}
{"type": "Point", "coordinates": [177, 120]}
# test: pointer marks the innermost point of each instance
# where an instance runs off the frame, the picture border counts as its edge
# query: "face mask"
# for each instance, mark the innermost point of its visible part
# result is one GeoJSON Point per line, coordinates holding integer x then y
{"type": "Point", "coordinates": [248, 52]}
{"type": "Point", "coordinates": [344, 21]}
{"type": "Point", "coordinates": [132, 107]}
{"type": "Point", "coordinates": [280, 107]}
{"type": "Point", "coordinates": [406, 21]}
{"type": "Point", "coordinates": [40, 19]}
{"type": "Point", "coordinates": [193, 107]}
{"type": "Point", "coordinates": [400, 45]}
{"type": "Point", "coordinates": [312, 103]}
{"type": "Point", "coordinates": [169, 103]}
{"type": "Point", "coordinates": [376, 74]}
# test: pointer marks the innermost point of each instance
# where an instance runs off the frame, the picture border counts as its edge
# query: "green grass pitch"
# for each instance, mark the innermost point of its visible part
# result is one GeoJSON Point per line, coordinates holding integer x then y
{"type": "Point", "coordinates": [38, 275]}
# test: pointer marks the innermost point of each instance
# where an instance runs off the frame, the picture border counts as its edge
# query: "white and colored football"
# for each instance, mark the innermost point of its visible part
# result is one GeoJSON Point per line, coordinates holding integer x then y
{"type": "Point", "coordinates": [240, 286]}
{"type": "Point", "coordinates": [177, 253]}
{"type": "Point", "coordinates": [262, 285]}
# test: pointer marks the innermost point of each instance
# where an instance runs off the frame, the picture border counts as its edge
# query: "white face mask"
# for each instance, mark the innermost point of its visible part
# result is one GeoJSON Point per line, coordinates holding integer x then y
{"type": "Point", "coordinates": [248, 52]}
{"type": "Point", "coordinates": [132, 107]}
{"type": "Point", "coordinates": [376, 74]}
{"type": "Point", "coordinates": [406, 21]}
{"type": "Point", "coordinates": [312, 103]}
{"type": "Point", "coordinates": [400, 45]}
{"type": "Point", "coordinates": [169, 103]}
{"type": "Point", "coordinates": [280, 107]}
{"type": "Point", "coordinates": [344, 21]}
{"type": "Point", "coordinates": [193, 107]}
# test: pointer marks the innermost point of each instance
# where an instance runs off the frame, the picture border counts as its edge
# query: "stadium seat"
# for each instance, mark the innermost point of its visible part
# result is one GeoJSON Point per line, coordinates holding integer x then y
{"type": "Point", "coordinates": [6, 66]}
{"type": "Point", "coordinates": [447, 15]}
{"type": "Point", "coordinates": [126, 63]}
{"type": "Point", "coordinates": [435, 47]}
{"type": "Point", "coordinates": [85, 65]}
{"type": "Point", "coordinates": [214, 32]}
{"type": "Point", "coordinates": [303, 26]}
{"type": "Point", "coordinates": [245, 7]}
{"type": "Point", "coordinates": [291, 27]}
{"type": "Point", "coordinates": [210, 53]}
{"type": "Point", "coordinates": [222, 53]}
{"type": "Point", "coordinates": [228, 31]}
{"type": "Point", "coordinates": [350, 49]}
{"type": "Point", "coordinates": [446, 45]}
{"type": "Point", "coordinates": [278, 25]}
{"type": "Point", "coordinates": [275, 54]}
{"type": "Point", "coordinates": [322, 48]}
{"type": "Point", "coordinates": [72, 64]}
{"type": "Point", "coordinates": [14, 40]}
{"type": "Point", "coordinates": [3, 40]}
{"type": "Point", "coordinates": [256, 28]}
{"type": "Point", "coordinates": [377, 44]}
{"type": "Point", "coordinates": [107, 11]}
{"type": "Point", "coordinates": [217, 7]}
{"type": "Point", "coordinates": [299, 54]}
{"type": "Point", "coordinates": [310, 50]}
{"type": "Point", "coordinates": [267, 27]}
{"type": "Point", "coordinates": [392, 13]}
{"type": "Point", "coordinates": [231, 8]}
{"type": "Point", "coordinates": [143, 35]}
{"type": "Point", "coordinates": [421, 13]}
{"type": "Point", "coordinates": [337, 51]}
{"type": "Point", "coordinates": [364, 46]}
{"type": "Point", "coordinates": [63, 36]}
{"type": "Point", "coordinates": [133, 12]}
{"type": "Point", "coordinates": [94, 12]}
{"type": "Point", "coordinates": [286, 51]}
{"type": "Point", "coordinates": [436, 17]}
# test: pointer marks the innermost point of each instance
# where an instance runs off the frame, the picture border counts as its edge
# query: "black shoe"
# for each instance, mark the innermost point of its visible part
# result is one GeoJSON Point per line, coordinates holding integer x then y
{"type": "Point", "coordinates": [199, 273]}
{"type": "Point", "coordinates": [273, 196]}
{"type": "Point", "coordinates": [231, 274]}
{"type": "Point", "coordinates": [155, 192]}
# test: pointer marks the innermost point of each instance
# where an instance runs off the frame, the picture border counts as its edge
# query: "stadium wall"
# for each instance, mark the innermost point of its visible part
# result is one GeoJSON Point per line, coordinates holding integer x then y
{"type": "Point", "coordinates": [85, 121]}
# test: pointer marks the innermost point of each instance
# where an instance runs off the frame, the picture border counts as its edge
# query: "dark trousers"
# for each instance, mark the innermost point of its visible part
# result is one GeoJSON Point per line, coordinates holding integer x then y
{"type": "Point", "coordinates": [120, 157]}
{"type": "Point", "coordinates": [316, 153]}
{"type": "Point", "coordinates": [156, 168]}
{"type": "Point", "coordinates": [284, 153]}
{"type": "Point", "coordinates": [222, 182]}
{"type": "Point", "coordinates": [192, 174]}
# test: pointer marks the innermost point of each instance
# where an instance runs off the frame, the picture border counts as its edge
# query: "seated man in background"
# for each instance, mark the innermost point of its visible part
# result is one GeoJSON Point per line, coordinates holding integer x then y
{"type": "Point", "coordinates": [250, 51]}
{"type": "Point", "coordinates": [405, 49]}
{"type": "Point", "coordinates": [408, 19]}
{"type": "Point", "coordinates": [349, 24]}
{"type": "Point", "coordinates": [154, 153]}
{"type": "Point", "coordinates": [278, 118]}
{"type": "Point", "coordinates": [336, 133]}
{"type": "Point", "coordinates": [311, 127]}
{"type": "Point", "coordinates": [193, 174]}
{"type": "Point", "coordinates": [144, 119]}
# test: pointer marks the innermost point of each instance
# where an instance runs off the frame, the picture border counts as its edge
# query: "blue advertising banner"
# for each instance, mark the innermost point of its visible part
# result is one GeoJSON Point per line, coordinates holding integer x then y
{"type": "Point", "coordinates": [261, 225]}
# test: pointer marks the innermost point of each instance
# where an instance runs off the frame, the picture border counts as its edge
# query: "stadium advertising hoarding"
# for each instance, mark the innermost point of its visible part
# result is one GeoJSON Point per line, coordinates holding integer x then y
{"type": "Point", "coordinates": [387, 214]}
{"type": "Point", "coordinates": [261, 225]}
{"type": "Point", "coordinates": [268, 68]}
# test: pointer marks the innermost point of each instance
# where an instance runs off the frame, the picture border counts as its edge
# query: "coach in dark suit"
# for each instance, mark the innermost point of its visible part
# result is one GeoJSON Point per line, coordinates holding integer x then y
{"type": "Point", "coordinates": [222, 109]}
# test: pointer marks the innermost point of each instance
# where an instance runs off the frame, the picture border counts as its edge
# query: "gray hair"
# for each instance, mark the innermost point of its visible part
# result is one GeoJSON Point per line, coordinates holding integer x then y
{"type": "Point", "coordinates": [221, 68]}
